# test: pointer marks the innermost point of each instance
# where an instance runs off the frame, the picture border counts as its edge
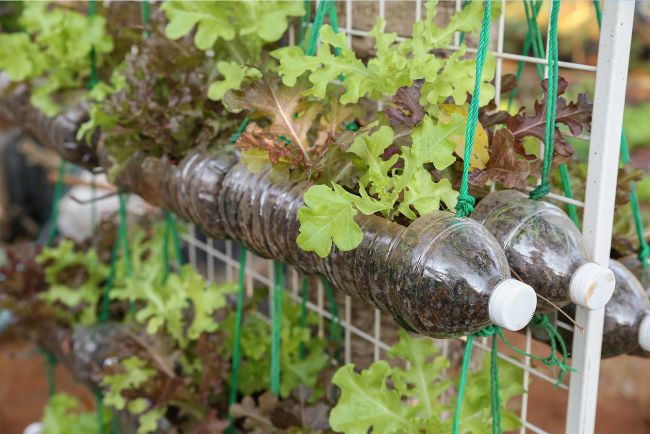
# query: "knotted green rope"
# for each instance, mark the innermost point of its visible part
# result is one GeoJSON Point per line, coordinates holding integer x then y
{"type": "Point", "coordinates": [544, 186]}
{"type": "Point", "coordinates": [276, 326]}
{"type": "Point", "coordinates": [557, 345]}
{"type": "Point", "coordinates": [236, 349]}
{"type": "Point", "coordinates": [465, 204]}
{"type": "Point", "coordinates": [534, 36]}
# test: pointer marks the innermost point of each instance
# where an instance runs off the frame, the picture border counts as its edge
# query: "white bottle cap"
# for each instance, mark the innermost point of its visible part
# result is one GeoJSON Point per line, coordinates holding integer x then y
{"type": "Point", "coordinates": [592, 285]}
{"type": "Point", "coordinates": [644, 333]}
{"type": "Point", "coordinates": [512, 304]}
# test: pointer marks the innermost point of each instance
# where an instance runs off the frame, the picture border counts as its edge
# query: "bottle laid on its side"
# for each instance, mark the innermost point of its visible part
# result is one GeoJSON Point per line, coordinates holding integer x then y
{"type": "Point", "coordinates": [642, 273]}
{"type": "Point", "coordinates": [441, 276]}
{"type": "Point", "coordinates": [545, 250]}
{"type": "Point", "coordinates": [626, 327]}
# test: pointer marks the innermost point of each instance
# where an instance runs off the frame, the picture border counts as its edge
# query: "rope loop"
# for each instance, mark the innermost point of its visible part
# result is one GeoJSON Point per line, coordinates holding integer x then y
{"type": "Point", "coordinates": [557, 345]}
{"type": "Point", "coordinates": [488, 331]}
{"type": "Point", "coordinates": [465, 205]}
{"type": "Point", "coordinates": [540, 191]}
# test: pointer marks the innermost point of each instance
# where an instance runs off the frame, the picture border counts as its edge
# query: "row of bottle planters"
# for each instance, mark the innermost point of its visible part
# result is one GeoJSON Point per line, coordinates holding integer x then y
{"type": "Point", "coordinates": [441, 276]}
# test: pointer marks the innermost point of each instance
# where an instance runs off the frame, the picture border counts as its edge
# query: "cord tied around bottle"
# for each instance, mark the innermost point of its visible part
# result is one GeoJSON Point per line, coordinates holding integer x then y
{"type": "Point", "coordinates": [465, 205]}
{"type": "Point", "coordinates": [540, 191]}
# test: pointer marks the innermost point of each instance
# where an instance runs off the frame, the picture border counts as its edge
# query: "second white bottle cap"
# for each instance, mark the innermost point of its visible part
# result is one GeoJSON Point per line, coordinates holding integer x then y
{"type": "Point", "coordinates": [592, 285]}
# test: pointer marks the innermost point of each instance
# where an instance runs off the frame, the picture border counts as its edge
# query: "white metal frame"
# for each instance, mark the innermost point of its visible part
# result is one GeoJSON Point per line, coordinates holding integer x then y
{"type": "Point", "coordinates": [597, 226]}
{"type": "Point", "coordinates": [604, 146]}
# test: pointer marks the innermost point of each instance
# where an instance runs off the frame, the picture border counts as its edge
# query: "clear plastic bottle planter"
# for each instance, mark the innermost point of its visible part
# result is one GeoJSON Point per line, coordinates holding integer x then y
{"type": "Point", "coordinates": [57, 132]}
{"type": "Point", "coordinates": [442, 276]}
{"type": "Point", "coordinates": [627, 315]}
{"type": "Point", "coordinates": [626, 329]}
{"type": "Point", "coordinates": [544, 249]}
{"type": "Point", "coordinates": [636, 267]}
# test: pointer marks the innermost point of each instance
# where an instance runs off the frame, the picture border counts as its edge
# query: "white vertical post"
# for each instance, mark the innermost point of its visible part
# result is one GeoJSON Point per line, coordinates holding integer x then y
{"type": "Point", "coordinates": [609, 101]}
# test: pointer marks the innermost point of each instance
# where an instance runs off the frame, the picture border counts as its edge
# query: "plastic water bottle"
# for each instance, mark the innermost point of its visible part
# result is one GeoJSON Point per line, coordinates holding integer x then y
{"type": "Point", "coordinates": [636, 267]}
{"type": "Point", "coordinates": [545, 249]}
{"type": "Point", "coordinates": [627, 315]}
{"type": "Point", "coordinates": [626, 327]}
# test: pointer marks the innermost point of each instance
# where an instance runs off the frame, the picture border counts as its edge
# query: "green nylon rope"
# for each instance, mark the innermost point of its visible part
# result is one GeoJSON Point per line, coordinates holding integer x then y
{"type": "Point", "coordinates": [123, 235]}
{"type": "Point", "coordinates": [145, 11]}
{"type": "Point", "coordinates": [599, 14]}
{"type": "Point", "coordinates": [99, 401]}
{"type": "Point", "coordinates": [544, 186]}
{"type": "Point", "coordinates": [462, 34]}
{"type": "Point", "coordinates": [50, 373]}
{"type": "Point", "coordinates": [465, 204]}
{"type": "Point", "coordinates": [323, 9]}
{"type": "Point", "coordinates": [526, 49]}
{"type": "Point", "coordinates": [494, 388]}
{"type": "Point", "coordinates": [336, 332]}
{"type": "Point", "coordinates": [467, 357]}
{"type": "Point", "coordinates": [99, 398]}
{"type": "Point", "coordinates": [644, 249]}
{"type": "Point", "coordinates": [59, 188]}
{"type": "Point", "coordinates": [106, 296]}
{"type": "Point", "coordinates": [303, 314]}
{"type": "Point", "coordinates": [568, 192]}
{"type": "Point", "coordinates": [236, 350]}
{"type": "Point", "coordinates": [464, 207]}
{"type": "Point", "coordinates": [532, 10]}
{"type": "Point", "coordinates": [534, 36]}
{"type": "Point", "coordinates": [276, 326]}
{"type": "Point", "coordinates": [171, 232]}
{"type": "Point", "coordinates": [304, 22]}
{"type": "Point", "coordinates": [92, 10]}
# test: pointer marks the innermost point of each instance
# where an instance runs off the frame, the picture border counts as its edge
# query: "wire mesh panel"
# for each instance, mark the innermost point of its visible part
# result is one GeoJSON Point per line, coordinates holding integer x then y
{"type": "Point", "coordinates": [367, 333]}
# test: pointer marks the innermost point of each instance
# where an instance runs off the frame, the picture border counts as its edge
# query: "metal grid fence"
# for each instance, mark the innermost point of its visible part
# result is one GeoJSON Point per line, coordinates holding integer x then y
{"type": "Point", "coordinates": [367, 335]}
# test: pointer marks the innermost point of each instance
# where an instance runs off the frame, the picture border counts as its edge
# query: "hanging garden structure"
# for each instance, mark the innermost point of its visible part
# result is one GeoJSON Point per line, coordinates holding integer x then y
{"type": "Point", "coordinates": [393, 176]}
